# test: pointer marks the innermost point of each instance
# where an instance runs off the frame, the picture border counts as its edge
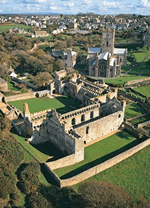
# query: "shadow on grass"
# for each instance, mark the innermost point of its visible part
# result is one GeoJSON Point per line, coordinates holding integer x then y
{"type": "Point", "coordinates": [47, 175]}
{"type": "Point", "coordinates": [100, 160]}
{"type": "Point", "coordinates": [50, 149]}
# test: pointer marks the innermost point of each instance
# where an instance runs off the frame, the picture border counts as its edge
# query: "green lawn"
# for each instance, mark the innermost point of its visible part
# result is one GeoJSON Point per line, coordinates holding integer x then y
{"type": "Point", "coordinates": [122, 80]}
{"type": "Point", "coordinates": [140, 120]}
{"type": "Point", "coordinates": [142, 68]}
{"type": "Point", "coordinates": [63, 104]}
{"type": "Point", "coordinates": [12, 87]}
{"type": "Point", "coordinates": [37, 154]}
{"type": "Point", "coordinates": [99, 152]}
{"type": "Point", "coordinates": [4, 28]}
{"type": "Point", "coordinates": [144, 90]}
{"type": "Point", "coordinates": [133, 110]}
{"type": "Point", "coordinates": [132, 175]}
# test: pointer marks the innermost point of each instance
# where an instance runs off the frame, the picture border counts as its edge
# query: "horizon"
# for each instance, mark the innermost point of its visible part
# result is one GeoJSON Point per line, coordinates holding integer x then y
{"type": "Point", "coordinates": [72, 7]}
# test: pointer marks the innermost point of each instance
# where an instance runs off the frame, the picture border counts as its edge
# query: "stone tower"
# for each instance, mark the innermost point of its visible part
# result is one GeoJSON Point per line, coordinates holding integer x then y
{"type": "Point", "coordinates": [108, 40]}
{"type": "Point", "coordinates": [69, 58]}
{"type": "Point", "coordinates": [26, 110]}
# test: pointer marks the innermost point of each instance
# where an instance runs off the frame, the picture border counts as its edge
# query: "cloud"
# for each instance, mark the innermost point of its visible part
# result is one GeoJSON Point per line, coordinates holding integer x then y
{"type": "Point", "coordinates": [70, 4]}
{"type": "Point", "coordinates": [54, 8]}
{"type": "Point", "coordinates": [145, 3]}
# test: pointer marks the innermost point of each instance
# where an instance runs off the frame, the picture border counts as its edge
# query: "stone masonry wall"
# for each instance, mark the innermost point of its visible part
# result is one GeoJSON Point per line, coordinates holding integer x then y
{"type": "Point", "coordinates": [100, 127]}
{"type": "Point", "coordinates": [24, 96]}
{"type": "Point", "coordinates": [103, 166]}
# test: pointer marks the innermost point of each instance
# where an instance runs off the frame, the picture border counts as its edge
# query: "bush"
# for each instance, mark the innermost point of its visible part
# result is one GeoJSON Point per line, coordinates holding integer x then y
{"type": "Point", "coordinates": [103, 194]}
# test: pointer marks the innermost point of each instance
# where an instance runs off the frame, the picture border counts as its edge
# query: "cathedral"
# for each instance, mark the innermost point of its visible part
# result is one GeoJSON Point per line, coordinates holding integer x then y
{"type": "Point", "coordinates": [106, 61]}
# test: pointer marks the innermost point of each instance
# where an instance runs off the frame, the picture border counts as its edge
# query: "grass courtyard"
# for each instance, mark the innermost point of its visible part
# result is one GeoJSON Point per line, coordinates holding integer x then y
{"type": "Point", "coordinates": [63, 104]}
{"type": "Point", "coordinates": [144, 90]}
{"type": "Point", "coordinates": [99, 152]}
{"type": "Point", "coordinates": [140, 120]}
{"type": "Point", "coordinates": [133, 110]}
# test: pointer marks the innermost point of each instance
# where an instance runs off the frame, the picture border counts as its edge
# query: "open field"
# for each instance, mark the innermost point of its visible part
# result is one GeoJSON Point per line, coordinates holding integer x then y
{"type": "Point", "coordinates": [99, 152]}
{"type": "Point", "coordinates": [123, 80]}
{"type": "Point", "coordinates": [4, 28]}
{"type": "Point", "coordinates": [133, 110]}
{"type": "Point", "coordinates": [144, 90]}
{"type": "Point", "coordinates": [132, 175]}
{"type": "Point", "coordinates": [140, 120]}
{"type": "Point", "coordinates": [63, 104]}
{"type": "Point", "coordinates": [142, 68]}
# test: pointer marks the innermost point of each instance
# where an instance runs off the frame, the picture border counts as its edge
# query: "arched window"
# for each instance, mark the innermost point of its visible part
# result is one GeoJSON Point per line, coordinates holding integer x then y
{"type": "Point", "coordinates": [120, 59]}
{"type": "Point", "coordinates": [87, 130]}
{"type": "Point", "coordinates": [107, 43]}
{"type": "Point", "coordinates": [82, 118]}
{"type": "Point", "coordinates": [91, 114]}
{"type": "Point", "coordinates": [73, 121]}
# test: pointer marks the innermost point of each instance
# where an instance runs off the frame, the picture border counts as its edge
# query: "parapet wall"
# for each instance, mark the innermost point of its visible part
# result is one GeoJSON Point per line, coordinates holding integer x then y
{"type": "Point", "coordinates": [103, 166]}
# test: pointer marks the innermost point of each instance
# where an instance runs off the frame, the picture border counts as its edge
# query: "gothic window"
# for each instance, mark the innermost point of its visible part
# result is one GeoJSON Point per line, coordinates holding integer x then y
{"type": "Point", "coordinates": [82, 118]}
{"type": "Point", "coordinates": [91, 114]}
{"type": "Point", "coordinates": [87, 130]}
{"type": "Point", "coordinates": [107, 43]}
{"type": "Point", "coordinates": [73, 121]}
{"type": "Point", "coordinates": [120, 59]}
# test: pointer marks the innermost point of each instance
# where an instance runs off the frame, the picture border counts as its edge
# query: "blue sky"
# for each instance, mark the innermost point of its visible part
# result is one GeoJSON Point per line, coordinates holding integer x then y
{"type": "Point", "coordinates": [76, 6]}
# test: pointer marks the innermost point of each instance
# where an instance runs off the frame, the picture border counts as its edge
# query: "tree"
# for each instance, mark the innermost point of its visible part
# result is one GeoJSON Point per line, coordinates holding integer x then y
{"type": "Point", "coordinates": [42, 79]}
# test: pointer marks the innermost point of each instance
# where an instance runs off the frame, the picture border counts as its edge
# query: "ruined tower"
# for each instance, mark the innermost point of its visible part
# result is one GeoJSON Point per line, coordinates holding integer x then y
{"type": "Point", "coordinates": [108, 40]}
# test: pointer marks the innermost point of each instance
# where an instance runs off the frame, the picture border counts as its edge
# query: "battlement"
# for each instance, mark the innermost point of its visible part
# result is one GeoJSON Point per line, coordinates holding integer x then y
{"type": "Point", "coordinates": [39, 115]}
{"type": "Point", "coordinates": [80, 111]}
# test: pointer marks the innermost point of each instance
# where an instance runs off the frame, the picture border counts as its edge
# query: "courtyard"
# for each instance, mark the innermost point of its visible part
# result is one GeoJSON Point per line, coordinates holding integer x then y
{"type": "Point", "coordinates": [63, 104]}
{"type": "Point", "coordinates": [99, 152]}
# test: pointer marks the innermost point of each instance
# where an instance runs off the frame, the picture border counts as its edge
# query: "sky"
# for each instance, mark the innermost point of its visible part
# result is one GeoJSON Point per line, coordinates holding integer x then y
{"type": "Point", "coordinates": [76, 6]}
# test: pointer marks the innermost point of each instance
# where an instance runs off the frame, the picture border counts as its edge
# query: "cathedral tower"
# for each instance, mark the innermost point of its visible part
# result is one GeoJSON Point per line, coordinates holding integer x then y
{"type": "Point", "coordinates": [108, 40]}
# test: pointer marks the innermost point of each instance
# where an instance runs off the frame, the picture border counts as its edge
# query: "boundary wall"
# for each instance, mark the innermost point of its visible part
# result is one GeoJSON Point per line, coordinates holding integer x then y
{"type": "Point", "coordinates": [98, 168]}
{"type": "Point", "coordinates": [23, 96]}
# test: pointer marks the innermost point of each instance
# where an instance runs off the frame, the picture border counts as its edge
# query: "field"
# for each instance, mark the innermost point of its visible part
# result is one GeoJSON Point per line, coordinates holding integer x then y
{"type": "Point", "coordinates": [123, 80]}
{"type": "Point", "coordinates": [99, 152]}
{"type": "Point", "coordinates": [144, 90]}
{"type": "Point", "coordinates": [132, 175]}
{"type": "Point", "coordinates": [63, 104]}
{"type": "Point", "coordinates": [4, 28]}
{"type": "Point", "coordinates": [133, 110]}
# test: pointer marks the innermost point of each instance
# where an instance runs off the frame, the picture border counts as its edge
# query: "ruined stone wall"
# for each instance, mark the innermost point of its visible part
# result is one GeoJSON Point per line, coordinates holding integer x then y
{"type": "Point", "coordinates": [28, 84]}
{"type": "Point", "coordinates": [80, 115]}
{"type": "Point", "coordinates": [100, 127]}
{"type": "Point", "coordinates": [103, 166]}
{"type": "Point", "coordinates": [50, 130]}
{"type": "Point", "coordinates": [141, 125]}
{"type": "Point", "coordinates": [23, 96]}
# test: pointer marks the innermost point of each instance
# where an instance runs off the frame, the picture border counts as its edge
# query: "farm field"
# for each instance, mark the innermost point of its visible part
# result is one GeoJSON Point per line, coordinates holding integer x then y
{"type": "Point", "coordinates": [63, 104]}
{"type": "Point", "coordinates": [132, 175]}
{"type": "Point", "coordinates": [99, 152]}
{"type": "Point", "coordinates": [133, 109]}
{"type": "Point", "coordinates": [4, 28]}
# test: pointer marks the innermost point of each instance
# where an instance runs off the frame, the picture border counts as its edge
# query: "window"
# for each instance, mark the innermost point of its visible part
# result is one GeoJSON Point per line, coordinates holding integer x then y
{"type": "Point", "coordinates": [91, 114]}
{"type": "Point", "coordinates": [87, 130]}
{"type": "Point", "coordinates": [82, 118]}
{"type": "Point", "coordinates": [107, 43]}
{"type": "Point", "coordinates": [73, 121]}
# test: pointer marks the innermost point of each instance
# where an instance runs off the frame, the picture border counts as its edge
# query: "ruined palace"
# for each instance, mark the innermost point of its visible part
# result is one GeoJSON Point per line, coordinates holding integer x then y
{"type": "Point", "coordinates": [100, 114]}
{"type": "Point", "coordinates": [106, 61]}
